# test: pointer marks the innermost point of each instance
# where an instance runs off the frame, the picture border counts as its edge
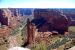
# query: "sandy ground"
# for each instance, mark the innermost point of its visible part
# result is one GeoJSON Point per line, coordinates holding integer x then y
{"type": "Point", "coordinates": [12, 41]}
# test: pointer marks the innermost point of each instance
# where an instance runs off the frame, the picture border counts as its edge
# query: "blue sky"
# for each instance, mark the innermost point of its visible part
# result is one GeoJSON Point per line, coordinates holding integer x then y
{"type": "Point", "coordinates": [37, 3]}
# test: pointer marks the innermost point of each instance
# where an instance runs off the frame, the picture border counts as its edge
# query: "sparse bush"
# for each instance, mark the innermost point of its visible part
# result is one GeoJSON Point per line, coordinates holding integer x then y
{"type": "Point", "coordinates": [58, 43]}
{"type": "Point", "coordinates": [40, 46]}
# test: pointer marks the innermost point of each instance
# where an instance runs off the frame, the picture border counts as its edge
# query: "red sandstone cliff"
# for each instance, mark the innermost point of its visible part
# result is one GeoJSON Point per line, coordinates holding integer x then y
{"type": "Point", "coordinates": [55, 20]}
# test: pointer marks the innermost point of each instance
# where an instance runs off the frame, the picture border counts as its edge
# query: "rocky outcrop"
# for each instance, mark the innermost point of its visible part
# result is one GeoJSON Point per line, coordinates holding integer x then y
{"type": "Point", "coordinates": [52, 19]}
{"type": "Point", "coordinates": [3, 20]}
{"type": "Point", "coordinates": [18, 48]}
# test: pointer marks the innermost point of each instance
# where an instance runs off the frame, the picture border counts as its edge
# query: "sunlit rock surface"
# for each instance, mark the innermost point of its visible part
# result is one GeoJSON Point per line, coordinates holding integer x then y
{"type": "Point", "coordinates": [18, 48]}
{"type": "Point", "coordinates": [73, 48]}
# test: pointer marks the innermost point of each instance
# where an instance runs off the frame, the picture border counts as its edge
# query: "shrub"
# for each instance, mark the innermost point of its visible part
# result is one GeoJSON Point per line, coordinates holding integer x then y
{"type": "Point", "coordinates": [40, 46]}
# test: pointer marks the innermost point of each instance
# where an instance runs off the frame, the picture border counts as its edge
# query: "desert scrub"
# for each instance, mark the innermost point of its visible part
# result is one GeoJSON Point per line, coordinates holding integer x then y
{"type": "Point", "coordinates": [58, 43]}
{"type": "Point", "coordinates": [40, 46]}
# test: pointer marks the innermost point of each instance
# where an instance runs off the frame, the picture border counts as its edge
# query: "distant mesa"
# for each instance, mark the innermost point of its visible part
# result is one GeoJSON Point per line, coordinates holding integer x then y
{"type": "Point", "coordinates": [50, 20]}
{"type": "Point", "coordinates": [25, 11]}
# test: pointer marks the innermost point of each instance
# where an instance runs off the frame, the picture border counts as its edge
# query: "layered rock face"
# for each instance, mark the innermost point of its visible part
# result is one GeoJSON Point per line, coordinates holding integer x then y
{"type": "Point", "coordinates": [8, 22]}
{"type": "Point", "coordinates": [9, 17]}
{"type": "Point", "coordinates": [50, 20]}
{"type": "Point", "coordinates": [3, 20]}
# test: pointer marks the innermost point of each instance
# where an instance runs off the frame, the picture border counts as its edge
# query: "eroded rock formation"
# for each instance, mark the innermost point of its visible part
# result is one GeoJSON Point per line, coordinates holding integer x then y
{"type": "Point", "coordinates": [50, 20]}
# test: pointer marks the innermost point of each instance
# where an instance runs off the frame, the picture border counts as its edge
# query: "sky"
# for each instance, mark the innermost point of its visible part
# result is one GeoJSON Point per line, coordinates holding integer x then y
{"type": "Point", "coordinates": [37, 3]}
